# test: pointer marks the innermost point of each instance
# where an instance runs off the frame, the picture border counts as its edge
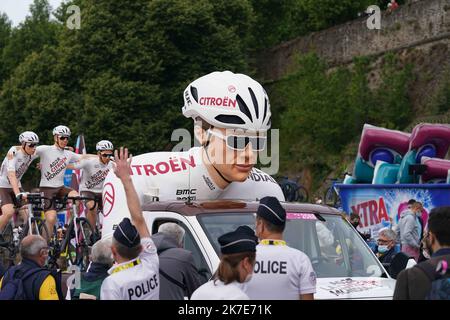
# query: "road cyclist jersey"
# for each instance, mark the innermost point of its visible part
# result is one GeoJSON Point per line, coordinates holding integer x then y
{"type": "Point", "coordinates": [177, 176]}
{"type": "Point", "coordinates": [93, 175]}
{"type": "Point", "coordinates": [19, 164]}
{"type": "Point", "coordinates": [53, 164]}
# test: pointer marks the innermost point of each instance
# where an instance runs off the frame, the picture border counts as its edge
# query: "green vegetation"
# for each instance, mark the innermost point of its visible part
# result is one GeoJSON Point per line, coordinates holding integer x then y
{"type": "Point", "coordinates": [121, 76]}
{"type": "Point", "coordinates": [323, 111]}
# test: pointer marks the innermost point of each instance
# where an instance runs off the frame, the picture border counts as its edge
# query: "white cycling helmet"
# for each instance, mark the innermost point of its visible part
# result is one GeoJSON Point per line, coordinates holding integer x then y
{"type": "Point", "coordinates": [62, 131]}
{"type": "Point", "coordinates": [28, 136]}
{"type": "Point", "coordinates": [228, 100]}
{"type": "Point", "coordinates": [104, 145]}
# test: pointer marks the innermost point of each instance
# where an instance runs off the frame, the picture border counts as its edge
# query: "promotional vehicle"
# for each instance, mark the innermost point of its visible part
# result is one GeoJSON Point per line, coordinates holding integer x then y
{"type": "Point", "coordinates": [346, 267]}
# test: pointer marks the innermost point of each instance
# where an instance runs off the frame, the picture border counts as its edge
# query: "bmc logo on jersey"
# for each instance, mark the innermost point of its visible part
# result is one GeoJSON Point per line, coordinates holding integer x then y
{"type": "Point", "coordinates": [108, 198]}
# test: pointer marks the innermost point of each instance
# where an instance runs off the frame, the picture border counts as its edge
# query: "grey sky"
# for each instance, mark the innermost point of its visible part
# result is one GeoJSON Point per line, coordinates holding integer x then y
{"type": "Point", "coordinates": [17, 10]}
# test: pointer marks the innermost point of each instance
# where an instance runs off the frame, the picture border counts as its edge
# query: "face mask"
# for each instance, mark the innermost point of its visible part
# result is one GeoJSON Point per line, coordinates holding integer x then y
{"type": "Point", "coordinates": [383, 248]}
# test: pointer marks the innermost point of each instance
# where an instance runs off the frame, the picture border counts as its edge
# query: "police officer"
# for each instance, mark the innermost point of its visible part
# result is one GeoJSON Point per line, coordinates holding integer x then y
{"type": "Point", "coordinates": [236, 267]}
{"type": "Point", "coordinates": [280, 272]}
{"type": "Point", "coordinates": [136, 276]}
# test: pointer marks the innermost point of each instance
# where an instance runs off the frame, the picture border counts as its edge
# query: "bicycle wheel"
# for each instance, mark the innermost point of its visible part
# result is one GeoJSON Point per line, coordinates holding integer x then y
{"type": "Point", "coordinates": [289, 191]}
{"type": "Point", "coordinates": [78, 252]}
{"type": "Point", "coordinates": [68, 245]}
{"type": "Point", "coordinates": [7, 235]}
{"type": "Point", "coordinates": [8, 250]}
{"type": "Point", "coordinates": [38, 227]}
{"type": "Point", "coordinates": [302, 194]}
{"type": "Point", "coordinates": [86, 239]}
{"type": "Point", "coordinates": [330, 196]}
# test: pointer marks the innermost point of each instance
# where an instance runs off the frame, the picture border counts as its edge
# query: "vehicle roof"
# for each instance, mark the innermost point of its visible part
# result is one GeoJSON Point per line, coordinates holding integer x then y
{"type": "Point", "coordinates": [222, 206]}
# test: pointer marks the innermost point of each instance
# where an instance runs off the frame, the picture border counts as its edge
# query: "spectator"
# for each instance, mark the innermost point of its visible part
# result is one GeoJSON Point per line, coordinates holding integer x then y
{"type": "Point", "coordinates": [392, 6]}
{"type": "Point", "coordinates": [408, 233]}
{"type": "Point", "coordinates": [281, 272]}
{"type": "Point", "coordinates": [179, 276]}
{"type": "Point", "coordinates": [91, 281]}
{"type": "Point", "coordinates": [429, 279]}
{"type": "Point", "coordinates": [393, 261]}
{"type": "Point", "coordinates": [417, 208]}
{"type": "Point", "coordinates": [236, 267]}
{"type": "Point", "coordinates": [354, 221]}
{"type": "Point", "coordinates": [136, 276]}
{"type": "Point", "coordinates": [386, 245]}
{"type": "Point", "coordinates": [38, 283]}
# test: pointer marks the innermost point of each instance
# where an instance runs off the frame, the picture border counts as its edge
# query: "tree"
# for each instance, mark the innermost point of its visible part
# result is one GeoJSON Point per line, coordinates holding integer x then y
{"type": "Point", "coordinates": [5, 33]}
{"type": "Point", "coordinates": [30, 36]}
{"type": "Point", "coordinates": [122, 75]}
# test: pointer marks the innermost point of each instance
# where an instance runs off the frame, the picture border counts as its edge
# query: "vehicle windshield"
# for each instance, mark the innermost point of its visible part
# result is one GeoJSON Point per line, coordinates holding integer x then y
{"type": "Point", "coordinates": [333, 246]}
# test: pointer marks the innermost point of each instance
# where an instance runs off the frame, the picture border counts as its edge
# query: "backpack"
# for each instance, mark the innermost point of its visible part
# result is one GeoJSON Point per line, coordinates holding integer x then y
{"type": "Point", "coordinates": [13, 287]}
{"type": "Point", "coordinates": [439, 275]}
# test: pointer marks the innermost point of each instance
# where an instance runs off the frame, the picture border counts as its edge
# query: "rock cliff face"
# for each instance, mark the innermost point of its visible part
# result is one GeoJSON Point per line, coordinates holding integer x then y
{"type": "Point", "coordinates": [422, 25]}
{"type": "Point", "coordinates": [418, 33]}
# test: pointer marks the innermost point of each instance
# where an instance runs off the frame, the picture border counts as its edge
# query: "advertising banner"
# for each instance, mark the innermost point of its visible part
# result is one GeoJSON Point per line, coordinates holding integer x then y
{"type": "Point", "coordinates": [381, 205]}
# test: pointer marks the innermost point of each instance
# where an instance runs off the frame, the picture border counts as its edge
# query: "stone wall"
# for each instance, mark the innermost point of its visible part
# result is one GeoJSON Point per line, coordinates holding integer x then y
{"type": "Point", "coordinates": [413, 25]}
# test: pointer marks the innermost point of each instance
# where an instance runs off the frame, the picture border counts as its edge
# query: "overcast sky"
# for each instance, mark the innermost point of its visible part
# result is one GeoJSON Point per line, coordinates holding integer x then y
{"type": "Point", "coordinates": [17, 10]}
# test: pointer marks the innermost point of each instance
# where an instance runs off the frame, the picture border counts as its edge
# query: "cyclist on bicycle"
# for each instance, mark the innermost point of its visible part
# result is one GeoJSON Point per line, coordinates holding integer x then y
{"type": "Point", "coordinates": [231, 114]}
{"type": "Point", "coordinates": [54, 160]}
{"type": "Point", "coordinates": [95, 171]}
{"type": "Point", "coordinates": [15, 164]}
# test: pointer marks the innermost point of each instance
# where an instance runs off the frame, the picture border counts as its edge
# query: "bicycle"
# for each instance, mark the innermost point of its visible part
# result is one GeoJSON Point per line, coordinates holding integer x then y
{"type": "Point", "coordinates": [34, 224]}
{"type": "Point", "coordinates": [331, 196]}
{"type": "Point", "coordinates": [293, 191]}
{"type": "Point", "coordinates": [79, 236]}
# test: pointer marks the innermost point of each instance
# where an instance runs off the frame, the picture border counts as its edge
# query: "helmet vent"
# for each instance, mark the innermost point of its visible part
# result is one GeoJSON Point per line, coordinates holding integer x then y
{"type": "Point", "coordinates": [243, 107]}
{"type": "Point", "coordinates": [265, 108]}
{"type": "Point", "coordinates": [255, 102]}
{"type": "Point", "coordinates": [194, 93]}
{"type": "Point", "coordinates": [225, 118]}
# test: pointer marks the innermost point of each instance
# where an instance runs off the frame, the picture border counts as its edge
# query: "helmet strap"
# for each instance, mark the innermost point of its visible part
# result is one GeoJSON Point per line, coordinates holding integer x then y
{"type": "Point", "coordinates": [24, 144]}
{"type": "Point", "coordinates": [57, 143]}
{"type": "Point", "coordinates": [218, 172]}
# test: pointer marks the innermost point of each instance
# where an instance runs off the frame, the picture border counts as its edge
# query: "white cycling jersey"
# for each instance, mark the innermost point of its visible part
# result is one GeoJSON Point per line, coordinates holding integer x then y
{"type": "Point", "coordinates": [53, 164]}
{"type": "Point", "coordinates": [94, 174]}
{"type": "Point", "coordinates": [177, 176]}
{"type": "Point", "coordinates": [18, 164]}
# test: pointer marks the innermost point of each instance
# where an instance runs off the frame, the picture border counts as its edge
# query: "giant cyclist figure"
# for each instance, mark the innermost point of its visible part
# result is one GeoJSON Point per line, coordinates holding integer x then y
{"type": "Point", "coordinates": [231, 114]}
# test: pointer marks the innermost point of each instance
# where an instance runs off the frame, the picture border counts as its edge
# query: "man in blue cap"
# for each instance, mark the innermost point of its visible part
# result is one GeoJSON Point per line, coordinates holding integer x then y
{"type": "Point", "coordinates": [136, 274]}
{"type": "Point", "coordinates": [281, 272]}
{"type": "Point", "coordinates": [236, 267]}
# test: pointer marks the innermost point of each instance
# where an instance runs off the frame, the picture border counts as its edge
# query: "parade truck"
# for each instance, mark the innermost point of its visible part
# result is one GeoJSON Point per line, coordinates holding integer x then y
{"type": "Point", "coordinates": [392, 168]}
{"type": "Point", "coordinates": [345, 266]}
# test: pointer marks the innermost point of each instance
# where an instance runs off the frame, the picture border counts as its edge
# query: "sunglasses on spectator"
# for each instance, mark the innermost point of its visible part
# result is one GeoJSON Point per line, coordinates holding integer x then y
{"type": "Point", "coordinates": [64, 138]}
{"type": "Point", "coordinates": [239, 143]}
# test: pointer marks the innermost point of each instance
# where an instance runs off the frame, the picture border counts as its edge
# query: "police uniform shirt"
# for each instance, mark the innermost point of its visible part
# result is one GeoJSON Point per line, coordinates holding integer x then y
{"type": "Point", "coordinates": [280, 273]}
{"type": "Point", "coordinates": [137, 279]}
{"type": "Point", "coordinates": [217, 290]}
